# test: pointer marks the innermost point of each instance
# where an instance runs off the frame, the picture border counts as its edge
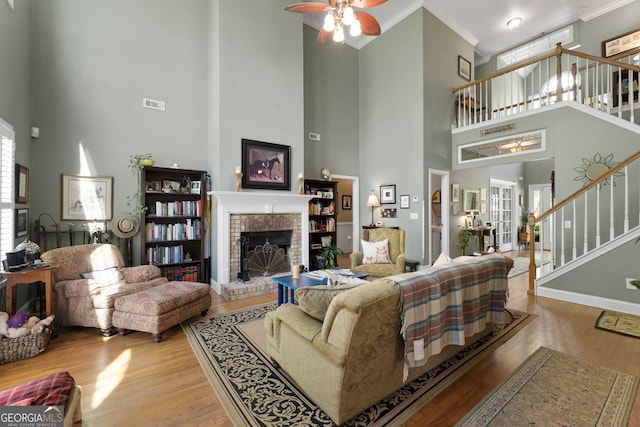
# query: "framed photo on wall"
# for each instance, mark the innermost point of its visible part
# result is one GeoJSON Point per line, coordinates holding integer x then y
{"type": "Point", "coordinates": [404, 201]}
{"type": "Point", "coordinates": [464, 68]}
{"type": "Point", "coordinates": [265, 165]}
{"type": "Point", "coordinates": [455, 193]}
{"type": "Point", "coordinates": [388, 194]}
{"type": "Point", "coordinates": [22, 184]}
{"type": "Point", "coordinates": [346, 202]}
{"type": "Point", "coordinates": [22, 222]}
{"type": "Point", "coordinates": [86, 197]}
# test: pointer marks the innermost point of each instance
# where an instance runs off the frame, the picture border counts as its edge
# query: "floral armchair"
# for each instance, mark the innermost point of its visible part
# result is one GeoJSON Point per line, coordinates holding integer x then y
{"type": "Point", "coordinates": [386, 265]}
{"type": "Point", "coordinates": [88, 279]}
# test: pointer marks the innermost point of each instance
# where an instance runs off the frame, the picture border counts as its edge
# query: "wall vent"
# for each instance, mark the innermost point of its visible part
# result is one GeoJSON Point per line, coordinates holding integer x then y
{"type": "Point", "coordinates": [153, 104]}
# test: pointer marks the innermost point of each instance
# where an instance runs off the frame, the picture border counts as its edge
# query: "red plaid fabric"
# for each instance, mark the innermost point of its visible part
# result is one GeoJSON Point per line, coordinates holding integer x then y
{"type": "Point", "coordinates": [51, 390]}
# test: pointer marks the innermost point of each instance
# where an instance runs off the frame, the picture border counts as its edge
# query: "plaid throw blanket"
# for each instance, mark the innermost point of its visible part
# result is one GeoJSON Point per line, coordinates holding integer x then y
{"type": "Point", "coordinates": [443, 306]}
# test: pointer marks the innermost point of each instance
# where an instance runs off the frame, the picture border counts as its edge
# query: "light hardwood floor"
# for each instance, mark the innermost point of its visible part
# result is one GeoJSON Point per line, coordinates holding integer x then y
{"type": "Point", "coordinates": [133, 381]}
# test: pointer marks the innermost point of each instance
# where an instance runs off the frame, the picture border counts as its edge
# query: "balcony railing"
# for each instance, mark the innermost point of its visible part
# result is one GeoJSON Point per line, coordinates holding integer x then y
{"type": "Point", "coordinates": [610, 86]}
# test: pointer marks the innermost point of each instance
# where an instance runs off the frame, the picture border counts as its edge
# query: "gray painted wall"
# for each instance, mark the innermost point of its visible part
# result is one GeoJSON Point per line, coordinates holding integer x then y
{"type": "Point", "coordinates": [330, 107]}
{"type": "Point", "coordinates": [391, 123]}
{"type": "Point", "coordinates": [15, 83]}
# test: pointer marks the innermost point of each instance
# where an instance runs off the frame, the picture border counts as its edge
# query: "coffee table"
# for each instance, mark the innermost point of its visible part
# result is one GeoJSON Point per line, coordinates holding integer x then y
{"type": "Point", "coordinates": [287, 285]}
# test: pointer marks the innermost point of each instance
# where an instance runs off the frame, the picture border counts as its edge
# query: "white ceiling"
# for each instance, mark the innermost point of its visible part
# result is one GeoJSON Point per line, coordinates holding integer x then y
{"type": "Point", "coordinates": [484, 23]}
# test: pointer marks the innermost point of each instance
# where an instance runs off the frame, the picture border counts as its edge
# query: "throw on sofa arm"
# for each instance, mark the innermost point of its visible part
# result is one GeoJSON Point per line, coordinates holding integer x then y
{"type": "Point", "coordinates": [140, 273]}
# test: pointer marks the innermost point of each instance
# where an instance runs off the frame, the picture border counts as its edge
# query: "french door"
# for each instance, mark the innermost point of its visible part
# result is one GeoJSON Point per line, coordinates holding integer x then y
{"type": "Point", "coordinates": [501, 213]}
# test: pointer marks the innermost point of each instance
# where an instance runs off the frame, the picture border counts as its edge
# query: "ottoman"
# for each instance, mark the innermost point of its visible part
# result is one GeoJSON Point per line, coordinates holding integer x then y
{"type": "Point", "coordinates": [156, 309]}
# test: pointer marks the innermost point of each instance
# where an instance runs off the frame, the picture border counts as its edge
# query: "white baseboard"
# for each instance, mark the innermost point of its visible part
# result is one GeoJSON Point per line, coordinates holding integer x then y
{"type": "Point", "coordinates": [589, 300]}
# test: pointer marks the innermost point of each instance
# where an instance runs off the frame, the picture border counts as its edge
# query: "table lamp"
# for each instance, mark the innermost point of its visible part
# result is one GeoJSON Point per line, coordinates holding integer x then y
{"type": "Point", "coordinates": [373, 202]}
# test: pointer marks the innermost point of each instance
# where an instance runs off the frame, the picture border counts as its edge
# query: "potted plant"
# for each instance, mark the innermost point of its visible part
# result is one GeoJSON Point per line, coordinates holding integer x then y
{"type": "Point", "coordinates": [137, 162]}
{"type": "Point", "coordinates": [463, 239]}
{"type": "Point", "coordinates": [329, 254]}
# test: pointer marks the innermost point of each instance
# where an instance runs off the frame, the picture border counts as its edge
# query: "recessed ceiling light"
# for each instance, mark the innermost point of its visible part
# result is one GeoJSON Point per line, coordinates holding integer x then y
{"type": "Point", "coordinates": [514, 22]}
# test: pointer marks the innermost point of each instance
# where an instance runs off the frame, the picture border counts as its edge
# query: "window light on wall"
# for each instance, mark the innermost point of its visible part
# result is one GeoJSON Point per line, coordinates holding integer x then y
{"type": "Point", "coordinates": [7, 161]}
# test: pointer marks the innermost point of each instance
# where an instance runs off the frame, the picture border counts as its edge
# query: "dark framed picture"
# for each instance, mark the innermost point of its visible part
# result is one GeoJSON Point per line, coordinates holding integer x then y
{"type": "Point", "coordinates": [404, 201]}
{"type": "Point", "coordinates": [22, 222]}
{"type": "Point", "coordinates": [265, 165]}
{"type": "Point", "coordinates": [86, 197]}
{"type": "Point", "coordinates": [624, 44]}
{"type": "Point", "coordinates": [22, 184]}
{"type": "Point", "coordinates": [388, 194]}
{"type": "Point", "coordinates": [346, 203]}
{"type": "Point", "coordinates": [464, 68]}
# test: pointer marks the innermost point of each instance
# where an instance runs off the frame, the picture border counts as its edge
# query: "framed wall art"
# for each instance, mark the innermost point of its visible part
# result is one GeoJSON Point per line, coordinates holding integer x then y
{"type": "Point", "coordinates": [265, 165]}
{"type": "Point", "coordinates": [455, 193]}
{"type": "Point", "coordinates": [404, 201]}
{"type": "Point", "coordinates": [346, 203]}
{"type": "Point", "coordinates": [624, 44]}
{"type": "Point", "coordinates": [22, 184]}
{"type": "Point", "coordinates": [86, 197]}
{"type": "Point", "coordinates": [22, 222]}
{"type": "Point", "coordinates": [464, 68]}
{"type": "Point", "coordinates": [388, 194]}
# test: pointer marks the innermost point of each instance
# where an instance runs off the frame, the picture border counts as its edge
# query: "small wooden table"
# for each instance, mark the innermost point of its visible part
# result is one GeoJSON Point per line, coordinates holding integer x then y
{"type": "Point", "coordinates": [287, 285]}
{"type": "Point", "coordinates": [30, 275]}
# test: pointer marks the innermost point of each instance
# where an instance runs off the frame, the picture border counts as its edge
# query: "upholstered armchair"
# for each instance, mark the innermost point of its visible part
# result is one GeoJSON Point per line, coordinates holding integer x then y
{"type": "Point", "coordinates": [88, 279]}
{"type": "Point", "coordinates": [379, 266]}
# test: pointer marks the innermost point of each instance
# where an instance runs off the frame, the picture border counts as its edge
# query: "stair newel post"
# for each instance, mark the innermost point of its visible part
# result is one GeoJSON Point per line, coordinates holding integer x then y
{"type": "Point", "coordinates": [559, 72]}
{"type": "Point", "coordinates": [532, 254]}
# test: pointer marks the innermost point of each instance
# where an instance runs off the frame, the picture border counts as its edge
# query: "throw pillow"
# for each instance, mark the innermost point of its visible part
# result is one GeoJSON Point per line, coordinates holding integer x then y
{"type": "Point", "coordinates": [375, 252]}
{"type": "Point", "coordinates": [104, 277]}
{"type": "Point", "coordinates": [443, 259]}
{"type": "Point", "coordinates": [315, 300]}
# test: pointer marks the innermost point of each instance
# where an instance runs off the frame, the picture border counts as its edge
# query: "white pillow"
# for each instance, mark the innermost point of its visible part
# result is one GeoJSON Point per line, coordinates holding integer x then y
{"type": "Point", "coordinates": [442, 260]}
{"type": "Point", "coordinates": [375, 252]}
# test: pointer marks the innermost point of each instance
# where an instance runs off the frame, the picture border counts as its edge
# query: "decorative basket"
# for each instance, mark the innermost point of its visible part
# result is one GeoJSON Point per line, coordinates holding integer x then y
{"type": "Point", "coordinates": [14, 349]}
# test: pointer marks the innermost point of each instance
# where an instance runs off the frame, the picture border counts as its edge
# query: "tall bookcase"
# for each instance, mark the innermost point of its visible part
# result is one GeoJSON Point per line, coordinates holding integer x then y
{"type": "Point", "coordinates": [173, 225]}
{"type": "Point", "coordinates": [322, 216]}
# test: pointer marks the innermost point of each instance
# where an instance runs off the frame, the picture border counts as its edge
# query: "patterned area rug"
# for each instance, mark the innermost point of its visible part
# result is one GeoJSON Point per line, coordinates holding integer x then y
{"type": "Point", "coordinates": [521, 265]}
{"type": "Point", "coordinates": [231, 350]}
{"type": "Point", "coordinates": [554, 389]}
{"type": "Point", "coordinates": [622, 323]}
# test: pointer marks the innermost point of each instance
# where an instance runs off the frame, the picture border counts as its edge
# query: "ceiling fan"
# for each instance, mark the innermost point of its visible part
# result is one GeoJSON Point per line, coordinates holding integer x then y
{"type": "Point", "coordinates": [339, 14]}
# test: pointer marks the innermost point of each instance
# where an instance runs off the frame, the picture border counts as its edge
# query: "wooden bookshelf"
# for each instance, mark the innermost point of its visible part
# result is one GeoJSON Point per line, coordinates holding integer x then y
{"type": "Point", "coordinates": [173, 225]}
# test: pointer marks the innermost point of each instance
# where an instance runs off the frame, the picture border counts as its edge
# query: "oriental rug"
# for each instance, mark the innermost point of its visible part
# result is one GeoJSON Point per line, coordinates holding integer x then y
{"type": "Point", "coordinates": [555, 389]}
{"type": "Point", "coordinates": [621, 323]}
{"type": "Point", "coordinates": [231, 348]}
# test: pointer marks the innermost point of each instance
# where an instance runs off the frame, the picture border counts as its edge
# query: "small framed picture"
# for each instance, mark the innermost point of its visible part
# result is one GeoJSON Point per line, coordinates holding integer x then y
{"type": "Point", "coordinates": [195, 187]}
{"type": "Point", "coordinates": [455, 193]}
{"type": "Point", "coordinates": [388, 194]}
{"type": "Point", "coordinates": [483, 194]}
{"type": "Point", "coordinates": [346, 203]}
{"type": "Point", "coordinates": [22, 222]}
{"type": "Point", "coordinates": [404, 201]}
{"type": "Point", "coordinates": [22, 184]}
{"type": "Point", "coordinates": [464, 68]}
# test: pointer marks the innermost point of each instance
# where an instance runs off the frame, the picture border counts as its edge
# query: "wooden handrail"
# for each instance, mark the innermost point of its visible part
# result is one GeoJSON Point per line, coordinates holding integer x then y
{"type": "Point", "coordinates": [533, 220]}
{"type": "Point", "coordinates": [557, 52]}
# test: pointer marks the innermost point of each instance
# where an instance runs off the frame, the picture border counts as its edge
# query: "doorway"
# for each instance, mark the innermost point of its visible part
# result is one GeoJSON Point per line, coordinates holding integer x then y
{"type": "Point", "coordinates": [348, 232]}
{"type": "Point", "coordinates": [540, 200]}
{"type": "Point", "coordinates": [501, 212]}
{"type": "Point", "coordinates": [437, 215]}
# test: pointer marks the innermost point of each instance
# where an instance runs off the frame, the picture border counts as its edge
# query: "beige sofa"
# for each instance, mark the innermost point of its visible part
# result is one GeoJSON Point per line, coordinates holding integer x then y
{"type": "Point", "coordinates": [355, 357]}
{"type": "Point", "coordinates": [89, 300]}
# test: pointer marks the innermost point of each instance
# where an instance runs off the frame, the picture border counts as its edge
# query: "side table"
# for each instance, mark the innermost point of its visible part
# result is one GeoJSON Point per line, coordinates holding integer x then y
{"type": "Point", "coordinates": [30, 275]}
{"type": "Point", "coordinates": [410, 265]}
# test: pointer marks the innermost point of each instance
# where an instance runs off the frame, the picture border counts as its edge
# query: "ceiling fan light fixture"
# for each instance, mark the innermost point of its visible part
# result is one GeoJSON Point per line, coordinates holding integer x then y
{"type": "Point", "coordinates": [355, 29]}
{"type": "Point", "coordinates": [514, 23]}
{"type": "Point", "coordinates": [348, 15]}
{"type": "Point", "coordinates": [329, 22]}
{"type": "Point", "coordinates": [338, 34]}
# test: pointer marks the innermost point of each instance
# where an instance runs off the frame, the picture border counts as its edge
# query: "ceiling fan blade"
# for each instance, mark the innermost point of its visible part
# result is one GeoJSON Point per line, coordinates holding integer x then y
{"type": "Point", "coordinates": [333, 3]}
{"type": "Point", "coordinates": [368, 24]}
{"type": "Point", "coordinates": [310, 7]}
{"type": "Point", "coordinates": [323, 36]}
{"type": "Point", "coordinates": [367, 3]}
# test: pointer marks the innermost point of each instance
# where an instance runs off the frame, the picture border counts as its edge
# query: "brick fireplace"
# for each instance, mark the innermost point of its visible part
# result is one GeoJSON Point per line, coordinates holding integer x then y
{"type": "Point", "coordinates": [244, 212]}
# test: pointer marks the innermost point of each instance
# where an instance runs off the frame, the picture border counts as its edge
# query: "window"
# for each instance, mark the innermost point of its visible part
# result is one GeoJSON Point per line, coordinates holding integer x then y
{"type": "Point", "coordinates": [7, 155]}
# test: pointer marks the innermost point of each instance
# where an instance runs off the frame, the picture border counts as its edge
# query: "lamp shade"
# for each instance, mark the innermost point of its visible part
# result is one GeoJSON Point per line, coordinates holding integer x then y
{"type": "Point", "coordinates": [373, 200]}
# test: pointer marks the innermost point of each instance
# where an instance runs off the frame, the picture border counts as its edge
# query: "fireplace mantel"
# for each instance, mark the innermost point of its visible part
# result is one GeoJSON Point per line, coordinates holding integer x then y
{"type": "Point", "coordinates": [228, 203]}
